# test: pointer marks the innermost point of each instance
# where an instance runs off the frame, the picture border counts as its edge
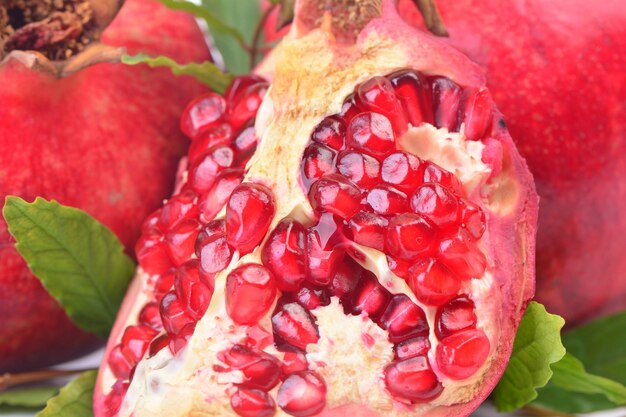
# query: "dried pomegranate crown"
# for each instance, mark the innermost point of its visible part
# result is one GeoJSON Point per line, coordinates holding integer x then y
{"type": "Point", "coordinates": [365, 247]}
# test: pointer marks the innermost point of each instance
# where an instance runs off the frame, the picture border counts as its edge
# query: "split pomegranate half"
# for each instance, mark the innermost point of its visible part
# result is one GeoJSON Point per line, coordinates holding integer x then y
{"type": "Point", "coordinates": [354, 238]}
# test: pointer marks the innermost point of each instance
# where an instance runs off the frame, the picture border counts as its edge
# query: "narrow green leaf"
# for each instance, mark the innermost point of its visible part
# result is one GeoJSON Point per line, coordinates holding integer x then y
{"type": "Point", "coordinates": [78, 260]}
{"type": "Point", "coordinates": [537, 345]}
{"type": "Point", "coordinates": [206, 72]}
{"type": "Point", "coordinates": [74, 400]}
{"type": "Point", "coordinates": [243, 15]}
{"type": "Point", "coordinates": [27, 397]}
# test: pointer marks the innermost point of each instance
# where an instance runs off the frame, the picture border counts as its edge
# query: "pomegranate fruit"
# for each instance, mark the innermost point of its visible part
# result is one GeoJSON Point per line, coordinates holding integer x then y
{"type": "Point", "coordinates": [563, 97]}
{"type": "Point", "coordinates": [104, 139]}
{"type": "Point", "coordinates": [373, 257]}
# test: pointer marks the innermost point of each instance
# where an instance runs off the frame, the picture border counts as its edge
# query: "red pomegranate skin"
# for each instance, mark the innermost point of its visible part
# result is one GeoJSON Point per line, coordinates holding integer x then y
{"type": "Point", "coordinates": [557, 70]}
{"type": "Point", "coordinates": [106, 140]}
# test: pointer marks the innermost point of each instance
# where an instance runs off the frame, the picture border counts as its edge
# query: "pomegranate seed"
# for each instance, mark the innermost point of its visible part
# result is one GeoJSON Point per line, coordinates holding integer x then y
{"type": "Point", "coordinates": [323, 251]}
{"type": "Point", "coordinates": [213, 200]}
{"type": "Point", "coordinates": [462, 354]}
{"type": "Point", "coordinates": [472, 219]}
{"type": "Point", "coordinates": [239, 85]}
{"type": "Point", "coordinates": [477, 109]}
{"type": "Point", "coordinates": [215, 253]}
{"type": "Point", "coordinates": [260, 370]}
{"type": "Point", "coordinates": [330, 132]}
{"type": "Point", "coordinates": [317, 161]}
{"type": "Point", "coordinates": [118, 363]}
{"type": "Point", "coordinates": [335, 194]}
{"type": "Point", "coordinates": [244, 145]}
{"type": "Point", "coordinates": [180, 240]}
{"type": "Point", "coordinates": [455, 316]}
{"type": "Point", "coordinates": [244, 107]}
{"type": "Point", "coordinates": [399, 267]}
{"type": "Point", "coordinates": [207, 140]}
{"type": "Point", "coordinates": [252, 403]}
{"type": "Point", "coordinates": [302, 394]}
{"type": "Point", "coordinates": [249, 212]}
{"type": "Point", "coordinates": [361, 169]}
{"type": "Point", "coordinates": [434, 173]}
{"type": "Point", "coordinates": [417, 346]}
{"type": "Point", "coordinates": [135, 342]}
{"type": "Point", "coordinates": [208, 233]}
{"type": "Point", "coordinates": [193, 289]}
{"type": "Point", "coordinates": [368, 229]}
{"type": "Point", "coordinates": [202, 174]}
{"type": "Point", "coordinates": [413, 92]}
{"type": "Point", "coordinates": [461, 255]}
{"type": "Point", "coordinates": [436, 203]}
{"type": "Point", "coordinates": [178, 341]}
{"type": "Point", "coordinates": [409, 235]}
{"type": "Point", "coordinates": [371, 133]}
{"type": "Point", "coordinates": [311, 297]}
{"type": "Point", "coordinates": [349, 109]}
{"type": "Point", "coordinates": [446, 97]}
{"type": "Point", "coordinates": [158, 345]}
{"type": "Point", "coordinates": [403, 319]}
{"type": "Point", "coordinates": [432, 283]}
{"type": "Point", "coordinates": [370, 297]}
{"type": "Point", "coordinates": [173, 313]}
{"type": "Point", "coordinates": [149, 316]}
{"type": "Point", "coordinates": [402, 170]}
{"type": "Point", "coordinates": [202, 113]}
{"type": "Point", "coordinates": [293, 361]}
{"type": "Point", "coordinates": [250, 292]}
{"type": "Point", "coordinates": [412, 380]}
{"type": "Point", "coordinates": [284, 255]}
{"type": "Point", "coordinates": [258, 337]}
{"type": "Point", "coordinates": [150, 223]}
{"type": "Point", "coordinates": [387, 200]}
{"type": "Point", "coordinates": [378, 95]}
{"type": "Point", "coordinates": [113, 401]}
{"type": "Point", "coordinates": [346, 278]}
{"type": "Point", "coordinates": [178, 208]}
{"type": "Point", "coordinates": [152, 255]}
{"type": "Point", "coordinates": [294, 325]}
{"type": "Point", "coordinates": [164, 283]}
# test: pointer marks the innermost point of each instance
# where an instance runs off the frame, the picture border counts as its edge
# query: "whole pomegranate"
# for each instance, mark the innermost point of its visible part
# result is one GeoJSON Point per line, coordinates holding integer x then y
{"type": "Point", "coordinates": [356, 239]}
{"type": "Point", "coordinates": [104, 138]}
{"type": "Point", "coordinates": [556, 70]}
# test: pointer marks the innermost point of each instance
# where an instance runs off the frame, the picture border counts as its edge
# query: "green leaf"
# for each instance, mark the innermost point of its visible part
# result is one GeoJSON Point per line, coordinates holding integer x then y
{"type": "Point", "coordinates": [27, 397]}
{"type": "Point", "coordinates": [206, 72]}
{"type": "Point", "coordinates": [245, 16]}
{"type": "Point", "coordinates": [537, 345]}
{"type": "Point", "coordinates": [78, 260]}
{"type": "Point", "coordinates": [74, 400]}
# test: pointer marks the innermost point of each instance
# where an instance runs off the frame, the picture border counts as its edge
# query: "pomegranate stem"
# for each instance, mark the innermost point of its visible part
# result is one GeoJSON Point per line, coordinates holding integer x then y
{"type": "Point", "coordinates": [431, 16]}
{"type": "Point", "coordinates": [9, 380]}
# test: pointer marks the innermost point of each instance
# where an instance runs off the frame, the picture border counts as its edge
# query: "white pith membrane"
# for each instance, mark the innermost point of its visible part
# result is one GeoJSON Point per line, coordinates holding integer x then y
{"type": "Point", "coordinates": [350, 362]}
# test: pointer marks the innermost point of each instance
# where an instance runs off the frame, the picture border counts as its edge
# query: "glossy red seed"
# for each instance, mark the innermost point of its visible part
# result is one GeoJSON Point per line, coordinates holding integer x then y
{"type": "Point", "coordinates": [284, 255]}
{"type": "Point", "coordinates": [119, 365]}
{"type": "Point", "coordinates": [371, 133]}
{"type": "Point", "coordinates": [173, 313]}
{"type": "Point", "coordinates": [260, 370]}
{"type": "Point", "coordinates": [252, 403]}
{"type": "Point", "coordinates": [181, 239]}
{"type": "Point", "coordinates": [363, 170]}
{"type": "Point", "coordinates": [462, 256]}
{"type": "Point", "coordinates": [462, 354]}
{"type": "Point", "coordinates": [244, 107]}
{"type": "Point", "coordinates": [311, 297]}
{"type": "Point", "coordinates": [432, 283]}
{"type": "Point", "coordinates": [387, 200]}
{"type": "Point", "coordinates": [446, 97]}
{"type": "Point", "coordinates": [410, 348]}
{"type": "Point", "coordinates": [472, 219]}
{"type": "Point", "coordinates": [249, 212]}
{"type": "Point", "coordinates": [323, 250]}
{"type": "Point", "coordinates": [178, 341]}
{"type": "Point", "coordinates": [302, 394]}
{"type": "Point", "coordinates": [150, 316]}
{"type": "Point", "coordinates": [294, 325]}
{"type": "Point", "coordinates": [317, 161]}
{"type": "Point", "coordinates": [203, 173]}
{"type": "Point", "coordinates": [399, 267]}
{"type": "Point", "coordinates": [215, 254]}
{"type": "Point", "coordinates": [178, 208]}
{"type": "Point", "coordinates": [409, 236]}
{"type": "Point", "coordinates": [250, 292]}
{"type": "Point", "coordinates": [135, 342]}
{"type": "Point", "coordinates": [330, 132]}
{"type": "Point", "coordinates": [244, 145]}
{"type": "Point", "coordinates": [476, 112]}
{"type": "Point", "coordinates": [208, 233]}
{"type": "Point", "coordinates": [434, 173]}
{"type": "Point", "coordinates": [402, 170]}
{"type": "Point", "coordinates": [459, 314]}
{"type": "Point", "coordinates": [377, 94]}
{"type": "Point", "coordinates": [152, 255]}
{"type": "Point", "coordinates": [239, 85]}
{"type": "Point", "coordinates": [164, 283]}
{"type": "Point", "coordinates": [370, 297]}
{"type": "Point", "coordinates": [403, 319]}
{"type": "Point", "coordinates": [157, 345]}
{"type": "Point", "coordinates": [212, 202]}
{"type": "Point", "coordinates": [346, 278]}
{"type": "Point", "coordinates": [335, 194]}
{"type": "Point", "coordinates": [193, 289]}
{"type": "Point", "coordinates": [413, 91]}
{"type": "Point", "coordinates": [412, 380]}
{"type": "Point", "coordinates": [436, 203]}
{"type": "Point", "coordinates": [368, 229]}
{"type": "Point", "coordinates": [258, 337]}
{"type": "Point", "coordinates": [207, 140]}
{"type": "Point", "coordinates": [293, 361]}
{"type": "Point", "coordinates": [202, 113]}
{"type": "Point", "coordinates": [151, 222]}
{"type": "Point", "coordinates": [113, 400]}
